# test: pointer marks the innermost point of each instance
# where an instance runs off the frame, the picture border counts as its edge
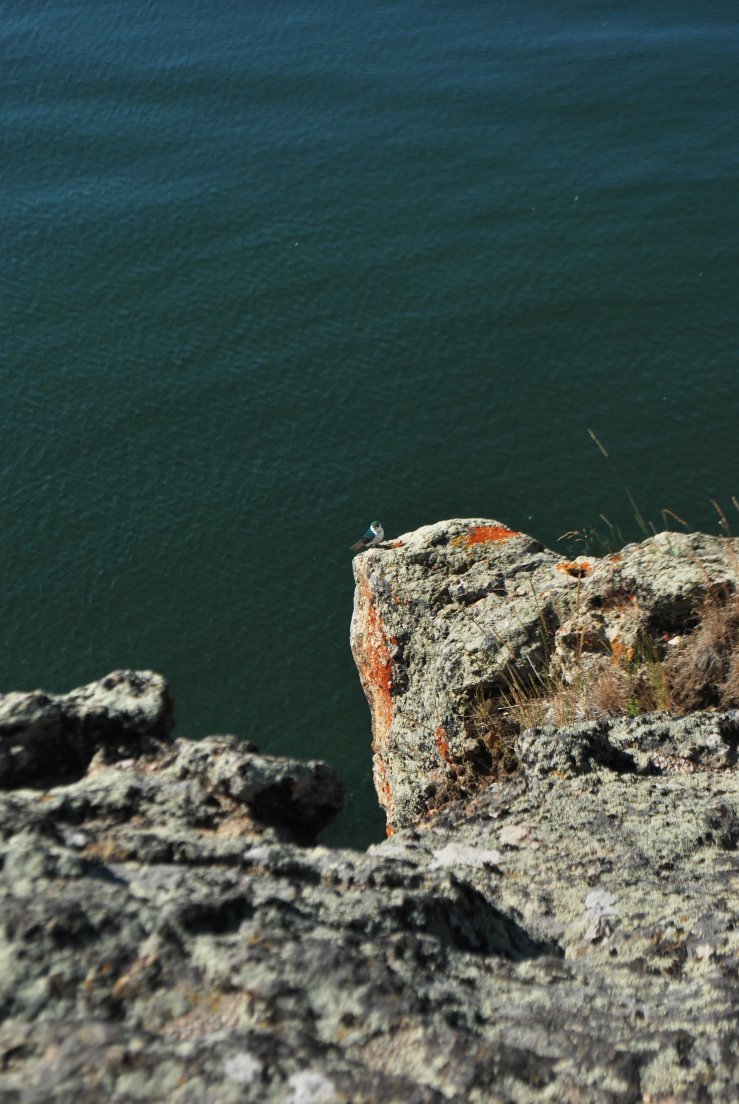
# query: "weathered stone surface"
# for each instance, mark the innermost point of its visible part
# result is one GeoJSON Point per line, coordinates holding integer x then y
{"type": "Point", "coordinates": [169, 931]}
{"type": "Point", "coordinates": [442, 616]}
{"type": "Point", "coordinates": [567, 935]}
{"type": "Point", "coordinates": [53, 736]}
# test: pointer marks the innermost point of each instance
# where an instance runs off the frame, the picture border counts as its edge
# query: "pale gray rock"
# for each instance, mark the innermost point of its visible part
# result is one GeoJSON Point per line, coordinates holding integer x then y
{"type": "Point", "coordinates": [569, 934]}
{"type": "Point", "coordinates": [171, 931]}
{"type": "Point", "coordinates": [443, 615]}
{"type": "Point", "coordinates": [47, 737]}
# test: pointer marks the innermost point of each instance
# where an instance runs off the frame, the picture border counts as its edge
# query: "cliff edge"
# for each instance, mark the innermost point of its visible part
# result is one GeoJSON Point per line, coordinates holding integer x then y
{"type": "Point", "coordinates": [467, 632]}
{"type": "Point", "coordinates": [553, 919]}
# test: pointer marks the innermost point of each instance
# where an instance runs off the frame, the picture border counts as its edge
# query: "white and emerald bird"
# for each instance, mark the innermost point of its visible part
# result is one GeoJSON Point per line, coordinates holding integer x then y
{"type": "Point", "coordinates": [373, 536]}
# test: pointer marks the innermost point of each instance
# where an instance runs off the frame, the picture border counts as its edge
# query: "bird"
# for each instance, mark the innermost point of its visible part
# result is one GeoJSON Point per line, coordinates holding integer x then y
{"type": "Point", "coordinates": [373, 536]}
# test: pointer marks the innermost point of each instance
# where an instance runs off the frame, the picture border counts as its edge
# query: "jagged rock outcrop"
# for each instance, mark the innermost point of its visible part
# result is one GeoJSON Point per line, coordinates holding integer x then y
{"type": "Point", "coordinates": [110, 745]}
{"type": "Point", "coordinates": [50, 738]}
{"type": "Point", "coordinates": [566, 935]}
{"type": "Point", "coordinates": [564, 930]}
{"type": "Point", "coordinates": [459, 620]}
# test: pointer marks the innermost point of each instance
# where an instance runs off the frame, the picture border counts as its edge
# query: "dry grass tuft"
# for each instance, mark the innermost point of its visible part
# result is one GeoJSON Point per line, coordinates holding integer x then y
{"type": "Point", "coordinates": [592, 679]}
{"type": "Point", "coordinates": [703, 669]}
{"type": "Point", "coordinates": [490, 724]}
{"type": "Point", "coordinates": [492, 733]}
{"type": "Point", "coordinates": [700, 672]}
{"type": "Point", "coordinates": [612, 692]}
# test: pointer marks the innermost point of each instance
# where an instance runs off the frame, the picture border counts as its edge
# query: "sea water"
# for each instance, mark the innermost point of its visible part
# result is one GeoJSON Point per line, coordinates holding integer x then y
{"type": "Point", "coordinates": [273, 269]}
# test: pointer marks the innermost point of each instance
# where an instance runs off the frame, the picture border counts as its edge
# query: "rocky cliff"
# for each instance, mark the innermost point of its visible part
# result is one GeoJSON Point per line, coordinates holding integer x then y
{"type": "Point", "coordinates": [465, 632]}
{"type": "Point", "coordinates": [555, 917]}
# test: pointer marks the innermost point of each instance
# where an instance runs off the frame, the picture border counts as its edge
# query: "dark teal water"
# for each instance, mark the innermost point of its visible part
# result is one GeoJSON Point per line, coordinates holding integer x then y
{"type": "Point", "coordinates": [270, 270]}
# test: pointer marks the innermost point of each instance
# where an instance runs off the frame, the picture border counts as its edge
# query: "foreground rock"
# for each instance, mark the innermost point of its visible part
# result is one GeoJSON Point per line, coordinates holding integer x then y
{"type": "Point", "coordinates": [50, 738]}
{"type": "Point", "coordinates": [568, 934]}
{"type": "Point", "coordinates": [464, 625]}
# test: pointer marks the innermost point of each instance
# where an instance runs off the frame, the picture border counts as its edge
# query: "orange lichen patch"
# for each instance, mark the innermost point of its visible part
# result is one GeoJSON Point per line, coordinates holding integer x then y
{"type": "Point", "coordinates": [376, 666]}
{"type": "Point", "coordinates": [576, 570]}
{"type": "Point", "coordinates": [398, 544]}
{"type": "Point", "coordinates": [483, 534]}
{"type": "Point", "coordinates": [441, 743]}
{"type": "Point", "coordinates": [382, 785]}
{"type": "Point", "coordinates": [621, 653]}
{"type": "Point", "coordinates": [384, 791]}
{"type": "Point", "coordinates": [401, 601]}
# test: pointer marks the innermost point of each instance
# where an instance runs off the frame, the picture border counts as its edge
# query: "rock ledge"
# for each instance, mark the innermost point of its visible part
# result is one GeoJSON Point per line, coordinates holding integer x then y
{"type": "Point", "coordinates": [567, 932]}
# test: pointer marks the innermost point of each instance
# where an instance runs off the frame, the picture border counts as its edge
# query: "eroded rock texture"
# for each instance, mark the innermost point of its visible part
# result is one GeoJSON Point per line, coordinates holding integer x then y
{"type": "Point", "coordinates": [468, 614]}
{"type": "Point", "coordinates": [169, 931]}
{"type": "Point", "coordinates": [49, 738]}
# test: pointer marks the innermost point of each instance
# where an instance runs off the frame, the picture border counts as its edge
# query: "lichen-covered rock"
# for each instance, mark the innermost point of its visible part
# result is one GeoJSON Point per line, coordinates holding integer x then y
{"type": "Point", "coordinates": [47, 737]}
{"type": "Point", "coordinates": [459, 616]}
{"type": "Point", "coordinates": [432, 621]}
{"type": "Point", "coordinates": [568, 934]}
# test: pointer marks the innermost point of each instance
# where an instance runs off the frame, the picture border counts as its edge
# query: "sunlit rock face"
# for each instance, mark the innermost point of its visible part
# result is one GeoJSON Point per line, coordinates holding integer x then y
{"type": "Point", "coordinates": [554, 917]}
{"type": "Point", "coordinates": [467, 622]}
